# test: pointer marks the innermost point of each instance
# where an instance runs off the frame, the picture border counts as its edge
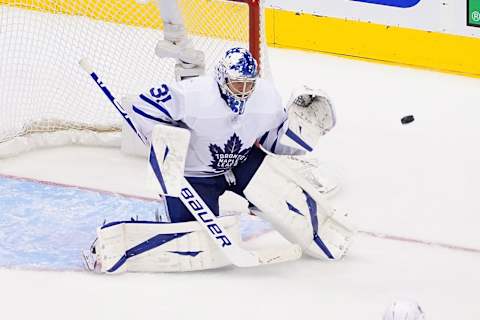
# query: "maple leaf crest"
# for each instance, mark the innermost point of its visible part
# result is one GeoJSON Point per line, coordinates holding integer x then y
{"type": "Point", "coordinates": [230, 156]}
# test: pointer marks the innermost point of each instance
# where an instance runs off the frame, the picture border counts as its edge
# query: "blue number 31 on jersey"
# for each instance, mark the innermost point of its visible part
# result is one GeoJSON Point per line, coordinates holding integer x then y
{"type": "Point", "coordinates": [393, 3]}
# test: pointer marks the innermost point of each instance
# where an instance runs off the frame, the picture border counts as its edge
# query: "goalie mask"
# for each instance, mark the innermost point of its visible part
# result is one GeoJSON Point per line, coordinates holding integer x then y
{"type": "Point", "coordinates": [236, 74]}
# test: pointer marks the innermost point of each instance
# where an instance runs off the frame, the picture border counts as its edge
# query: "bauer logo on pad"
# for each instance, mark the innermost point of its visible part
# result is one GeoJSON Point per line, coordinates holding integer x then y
{"type": "Point", "coordinates": [393, 3]}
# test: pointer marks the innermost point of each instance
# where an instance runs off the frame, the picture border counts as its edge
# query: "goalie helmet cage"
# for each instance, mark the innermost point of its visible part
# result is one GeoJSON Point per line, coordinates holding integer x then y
{"type": "Point", "coordinates": [45, 98]}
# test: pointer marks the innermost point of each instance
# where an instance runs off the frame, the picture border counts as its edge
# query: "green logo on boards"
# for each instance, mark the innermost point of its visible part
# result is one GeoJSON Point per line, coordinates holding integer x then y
{"type": "Point", "coordinates": [473, 13]}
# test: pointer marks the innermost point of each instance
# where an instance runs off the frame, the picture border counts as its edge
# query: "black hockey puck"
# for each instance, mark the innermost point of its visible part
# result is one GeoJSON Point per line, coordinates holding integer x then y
{"type": "Point", "coordinates": [407, 119]}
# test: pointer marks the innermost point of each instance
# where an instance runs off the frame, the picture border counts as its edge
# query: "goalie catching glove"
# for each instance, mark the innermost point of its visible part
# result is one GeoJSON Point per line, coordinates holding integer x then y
{"type": "Point", "coordinates": [310, 116]}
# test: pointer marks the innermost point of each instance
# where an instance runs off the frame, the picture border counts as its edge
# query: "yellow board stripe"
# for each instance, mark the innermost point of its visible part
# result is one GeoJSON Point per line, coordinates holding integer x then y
{"type": "Point", "coordinates": [419, 48]}
{"type": "Point", "coordinates": [363, 40]}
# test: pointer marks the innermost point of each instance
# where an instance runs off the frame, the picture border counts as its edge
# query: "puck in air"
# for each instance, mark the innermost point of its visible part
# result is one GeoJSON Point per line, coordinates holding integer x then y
{"type": "Point", "coordinates": [407, 119]}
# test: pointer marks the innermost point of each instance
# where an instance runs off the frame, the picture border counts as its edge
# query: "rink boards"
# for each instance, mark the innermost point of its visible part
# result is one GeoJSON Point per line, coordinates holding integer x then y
{"type": "Point", "coordinates": [434, 35]}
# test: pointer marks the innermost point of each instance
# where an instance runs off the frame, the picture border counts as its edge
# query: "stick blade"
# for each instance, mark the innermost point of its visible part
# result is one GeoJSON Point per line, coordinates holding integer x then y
{"type": "Point", "coordinates": [277, 255]}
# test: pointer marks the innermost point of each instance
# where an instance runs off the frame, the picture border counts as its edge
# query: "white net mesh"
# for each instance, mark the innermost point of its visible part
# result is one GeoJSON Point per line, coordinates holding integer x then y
{"type": "Point", "coordinates": [42, 88]}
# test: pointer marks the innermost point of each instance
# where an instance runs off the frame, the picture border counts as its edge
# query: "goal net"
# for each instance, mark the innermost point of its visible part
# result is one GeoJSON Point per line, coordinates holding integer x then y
{"type": "Point", "coordinates": [45, 99]}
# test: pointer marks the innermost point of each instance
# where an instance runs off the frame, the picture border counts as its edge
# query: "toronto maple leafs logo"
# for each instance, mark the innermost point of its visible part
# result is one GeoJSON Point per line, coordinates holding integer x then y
{"type": "Point", "coordinates": [230, 156]}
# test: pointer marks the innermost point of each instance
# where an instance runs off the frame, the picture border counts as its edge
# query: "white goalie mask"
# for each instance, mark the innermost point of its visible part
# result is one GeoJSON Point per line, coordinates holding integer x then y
{"type": "Point", "coordinates": [236, 74]}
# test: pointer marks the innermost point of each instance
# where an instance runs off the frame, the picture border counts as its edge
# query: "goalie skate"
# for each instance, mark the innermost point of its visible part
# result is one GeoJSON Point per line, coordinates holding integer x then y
{"type": "Point", "coordinates": [90, 261]}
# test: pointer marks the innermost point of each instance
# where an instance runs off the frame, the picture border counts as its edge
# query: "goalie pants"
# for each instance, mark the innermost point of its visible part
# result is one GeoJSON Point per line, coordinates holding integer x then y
{"type": "Point", "coordinates": [211, 188]}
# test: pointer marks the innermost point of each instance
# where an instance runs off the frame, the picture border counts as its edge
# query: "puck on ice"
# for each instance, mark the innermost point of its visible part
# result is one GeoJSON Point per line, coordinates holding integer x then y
{"type": "Point", "coordinates": [407, 119]}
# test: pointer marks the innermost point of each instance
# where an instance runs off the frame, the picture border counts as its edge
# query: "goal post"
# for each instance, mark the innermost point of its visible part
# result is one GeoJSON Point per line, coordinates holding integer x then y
{"type": "Point", "coordinates": [45, 100]}
{"type": "Point", "coordinates": [255, 26]}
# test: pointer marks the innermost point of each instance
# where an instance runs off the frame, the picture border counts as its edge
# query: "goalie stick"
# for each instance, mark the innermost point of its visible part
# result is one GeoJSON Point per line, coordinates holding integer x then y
{"type": "Point", "coordinates": [197, 207]}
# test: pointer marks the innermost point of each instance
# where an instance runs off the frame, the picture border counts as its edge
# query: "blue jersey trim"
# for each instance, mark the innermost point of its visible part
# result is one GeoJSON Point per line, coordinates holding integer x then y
{"type": "Point", "coordinates": [274, 145]}
{"type": "Point", "coordinates": [156, 105]}
{"type": "Point", "coordinates": [263, 138]}
{"type": "Point", "coordinates": [148, 116]}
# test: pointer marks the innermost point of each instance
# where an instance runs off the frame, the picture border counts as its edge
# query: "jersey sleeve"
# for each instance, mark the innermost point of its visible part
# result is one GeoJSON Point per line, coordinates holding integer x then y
{"type": "Point", "coordinates": [270, 140]}
{"type": "Point", "coordinates": [163, 104]}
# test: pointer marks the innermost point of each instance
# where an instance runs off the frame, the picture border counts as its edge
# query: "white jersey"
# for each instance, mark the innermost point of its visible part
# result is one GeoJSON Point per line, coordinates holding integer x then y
{"type": "Point", "coordinates": [220, 139]}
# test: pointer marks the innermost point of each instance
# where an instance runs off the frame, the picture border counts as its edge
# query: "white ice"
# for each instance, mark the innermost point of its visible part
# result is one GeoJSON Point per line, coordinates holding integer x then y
{"type": "Point", "coordinates": [416, 181]}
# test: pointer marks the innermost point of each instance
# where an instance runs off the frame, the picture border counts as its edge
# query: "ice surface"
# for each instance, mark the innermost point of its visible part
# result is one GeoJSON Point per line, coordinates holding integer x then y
{"type": "Point", "coordinates": [46, 226]}
{"type": "Point", "coordinates": [417, 181]}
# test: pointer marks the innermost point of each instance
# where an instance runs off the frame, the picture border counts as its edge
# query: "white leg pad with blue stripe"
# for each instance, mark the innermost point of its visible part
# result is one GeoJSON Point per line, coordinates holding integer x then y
{"type": "Point", "coordinates": [144, 246]}
{"type": "Point", "coordinates": [299, 214]}
{"type": "Point", "coordinates": [317, 175]}
{"type": "Point", "coordinates": [168, 152]}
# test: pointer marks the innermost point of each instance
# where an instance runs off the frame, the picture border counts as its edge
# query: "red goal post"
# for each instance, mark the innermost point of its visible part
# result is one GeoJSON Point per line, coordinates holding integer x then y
{"type": "Point", "coordinates": [255, 26]}
{"type": "Point", "coordinates": [46, 100]}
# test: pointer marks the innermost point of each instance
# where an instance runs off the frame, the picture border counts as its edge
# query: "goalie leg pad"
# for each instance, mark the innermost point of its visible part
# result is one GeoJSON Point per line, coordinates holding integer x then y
{"type": "Point", "coordinates": [140, 246]}
{"type": "Point", "coordinates": [321, 181]}
{"type": "Point", "coordinates": [300, 218]}
{"type": "Point", "coordinates": [167, 158]}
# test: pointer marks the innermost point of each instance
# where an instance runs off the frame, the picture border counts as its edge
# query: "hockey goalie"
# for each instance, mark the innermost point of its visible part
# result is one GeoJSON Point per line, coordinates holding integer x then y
{"type": "Point", "coordinates": [209, 134]}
